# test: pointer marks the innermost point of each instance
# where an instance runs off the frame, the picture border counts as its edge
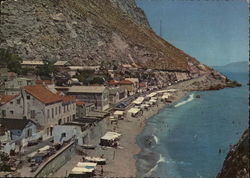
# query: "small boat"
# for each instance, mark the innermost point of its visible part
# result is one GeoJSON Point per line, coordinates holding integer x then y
{"type": "Point", "coordinates": [91, 147]}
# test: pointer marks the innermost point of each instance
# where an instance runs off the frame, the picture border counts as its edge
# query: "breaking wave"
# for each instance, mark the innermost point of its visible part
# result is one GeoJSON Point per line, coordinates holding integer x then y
{"type": "Point", "coordinates": [190, 98]}
{"type": "Point", "coordinates": [161, 159]}
{"type": "Point", "coordinates": [156, 139]}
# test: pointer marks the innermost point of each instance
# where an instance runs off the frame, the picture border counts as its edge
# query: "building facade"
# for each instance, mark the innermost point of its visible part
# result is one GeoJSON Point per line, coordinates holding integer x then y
{"type": "Point", "coordinates": [39, 104]}
{"type": "Point", "coordinates": [99, 95]}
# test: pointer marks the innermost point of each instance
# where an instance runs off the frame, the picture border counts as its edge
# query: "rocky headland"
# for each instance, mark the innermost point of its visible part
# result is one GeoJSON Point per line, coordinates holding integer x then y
{"type": "Point", "coordinates": [236, 163]}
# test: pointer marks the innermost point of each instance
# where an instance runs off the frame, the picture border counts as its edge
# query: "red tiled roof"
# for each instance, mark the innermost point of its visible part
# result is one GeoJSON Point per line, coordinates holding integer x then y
{"type": "Point", "coordinates": [47, 82]}
{"type": "Point", "coordinates": [125, 82]}
{"type": "Point", "coordinates": [80, 103]}
{"type": "Point", "coordinates": [142, 85]}
{"type": "Point", "coordinates": [6, 98]}
{"type": "Point", "coordinates": [42, 94]}
{"type": "Point", "coordinates": [67, 99]}
{"type": "Point", "coordinates": [112, 82]}
{"type": "Point", "coordinates": [122, 82]}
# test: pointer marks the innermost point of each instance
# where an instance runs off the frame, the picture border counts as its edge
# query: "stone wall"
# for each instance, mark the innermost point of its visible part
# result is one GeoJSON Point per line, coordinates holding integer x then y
{"type": "Point", "coordinates": [56, 161]}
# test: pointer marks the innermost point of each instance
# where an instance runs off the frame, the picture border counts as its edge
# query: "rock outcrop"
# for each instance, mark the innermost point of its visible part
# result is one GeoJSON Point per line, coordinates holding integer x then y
{"type": "Point", "coordinates": [236, 163]}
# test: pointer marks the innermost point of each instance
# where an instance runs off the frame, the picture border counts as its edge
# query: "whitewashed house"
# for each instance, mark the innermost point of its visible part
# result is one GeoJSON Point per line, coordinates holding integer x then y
{"type": "Point", "coordinates": [41, 105]}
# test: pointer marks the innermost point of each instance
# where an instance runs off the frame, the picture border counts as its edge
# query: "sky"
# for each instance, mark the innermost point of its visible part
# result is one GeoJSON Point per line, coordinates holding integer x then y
{"type": "Point", "coordinates": [213, 31]}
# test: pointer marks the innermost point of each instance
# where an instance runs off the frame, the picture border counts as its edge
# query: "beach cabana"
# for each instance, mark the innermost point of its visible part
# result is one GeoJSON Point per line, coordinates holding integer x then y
{"type": "Point", "coordinates": [153, 101]}
{"type": "Point", "coordinates": [119, 114]}
{"type": "Point", "coordinates": [152, 94]}
{"type": "Point", "coordinates": [110, 139]}
{"type": "Point", "coordinates": [134, 111]}
{"type": "Point", "coordinates": [97, 160]}
{"type": "Point", "coordinates": [144, 106]}
{"type": "Point", "coordinates": [138, 101]}
{"type": "Point", "coordinates": [87, 171]}
{"type": "Point", "coordinates": [89, 165]}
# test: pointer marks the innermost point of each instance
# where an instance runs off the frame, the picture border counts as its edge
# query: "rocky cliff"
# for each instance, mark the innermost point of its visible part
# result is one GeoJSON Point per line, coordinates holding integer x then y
{"type": "Point", "coordinates": [236, 163]}
{"type": "Point", "coordinates": [88, 32]}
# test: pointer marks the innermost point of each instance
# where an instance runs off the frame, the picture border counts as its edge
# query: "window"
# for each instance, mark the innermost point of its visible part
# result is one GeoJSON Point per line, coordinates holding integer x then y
{"type": "Point", "coordinates": [28, 97]}
{"type": "Point", "coordinates": [18, 101]}
{"type": "Point", "coordinates": [4, 113]}
{"type": "Point", "coordinates": [52, 112]}
{"type": "Point", "coordinates": [59, 109]}
{"type": "Point", "coordinates": [64, 109]}
{"type": "Point", "coordinates": [11, 112]}
{"type": "Point", "coordinates": [47, 113]}
{"type": "Point", "coordinates": [56, 111]}
{"type": "Point", "coordinates": [29, 133]}
{"type": "Point", "coordinates": [32, 114]}
{"type": "Point", "coordinates": [11, 102]}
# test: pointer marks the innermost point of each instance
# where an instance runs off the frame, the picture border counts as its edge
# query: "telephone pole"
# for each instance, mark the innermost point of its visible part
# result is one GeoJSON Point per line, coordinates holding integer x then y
{"type": "Point", "coordinates": [160, 29]}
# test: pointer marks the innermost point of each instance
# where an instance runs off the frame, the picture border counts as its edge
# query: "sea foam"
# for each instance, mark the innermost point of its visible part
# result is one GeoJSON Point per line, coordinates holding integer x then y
{"type": "Point", "coordinates": [156, 139]}
{"type": "Point", "coordinates": [190, 98]}
{"type": "Point", "coordinates": [161, 159]}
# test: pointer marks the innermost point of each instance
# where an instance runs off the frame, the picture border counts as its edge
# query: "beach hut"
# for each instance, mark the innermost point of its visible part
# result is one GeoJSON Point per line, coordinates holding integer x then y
{"type": "Point", "coordinates": [83, 169]}
{"type": "Point", "coordinates": [113, 119]}
{"type": "Point", "coordinates": [97, 160]}
{"type": "Point", "coordinates": [110, 139]}
{"type": "Point", "coordinates": [138, 101]}
{"type": "Point", "coordinates": [134, 111]}
{"type": "Point", "coordinates": [119, 114]}
{"type": "Point", "coordinates": [151, 94]}
{"type": "Point", "coordinates": [153, 101]}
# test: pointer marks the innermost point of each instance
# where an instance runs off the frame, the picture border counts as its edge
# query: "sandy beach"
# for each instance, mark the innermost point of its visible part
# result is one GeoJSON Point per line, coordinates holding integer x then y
{"type": "Point", "coordinates": [121, 161]}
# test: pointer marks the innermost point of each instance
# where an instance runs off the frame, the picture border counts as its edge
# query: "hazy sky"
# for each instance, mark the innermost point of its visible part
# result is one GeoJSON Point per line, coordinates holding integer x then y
{"type": "Point", "coordinates": [214, 32]}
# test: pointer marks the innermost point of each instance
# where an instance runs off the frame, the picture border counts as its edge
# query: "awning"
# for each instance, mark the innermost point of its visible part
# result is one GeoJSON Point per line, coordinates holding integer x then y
{"type": "Point", "coordinates": [151, 94]}
{"type": "Point", "coordinates": [139, 100]}
{"type": "Point", "coordinates": [119, 113]}
{"type": "Point", "coordinates": [111, 136]}
{"type": "Point", "coordinates": [152, 101]}
{"type": "Point", "coordinates": [134, 110]}
{"type": "Point", "coordinates": [164, 97]}
{"type": "Point", "coordinates": [45, 148]}
{"type": "Point", "coordinates": [81, 170]}
{"type": "Point", "coordinates": [86, 164]}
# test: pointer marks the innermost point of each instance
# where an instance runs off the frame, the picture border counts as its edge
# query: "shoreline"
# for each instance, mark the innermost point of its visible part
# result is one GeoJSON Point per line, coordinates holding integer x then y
{"type": "Point", "coordinates": [129, 147]}
{"type": "Point", "coordinates": [121, 162]}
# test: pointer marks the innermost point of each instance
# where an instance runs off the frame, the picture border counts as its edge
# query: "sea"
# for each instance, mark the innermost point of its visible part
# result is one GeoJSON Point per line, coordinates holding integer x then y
{"type": "Point", "coordinates": [192, 137]}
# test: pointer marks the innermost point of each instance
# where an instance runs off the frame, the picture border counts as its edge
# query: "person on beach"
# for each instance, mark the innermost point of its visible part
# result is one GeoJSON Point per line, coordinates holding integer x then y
{"type": "Point", "coordinates": [101, 170]}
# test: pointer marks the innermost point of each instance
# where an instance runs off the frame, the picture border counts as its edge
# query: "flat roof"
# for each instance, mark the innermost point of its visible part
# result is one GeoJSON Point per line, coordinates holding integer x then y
{"type": "Point", "coordinates": [139, 100]}
{"type": "Point", "coordinates": [111, 136]}
{"type": "Point", "coordinates": [86, 89]}
{"type": "Point", "coordinates": [151, 94]}
{"type": "Point", "coordinates": [118, 112]}
{"type": "Point", "coordinates": [134, 110]}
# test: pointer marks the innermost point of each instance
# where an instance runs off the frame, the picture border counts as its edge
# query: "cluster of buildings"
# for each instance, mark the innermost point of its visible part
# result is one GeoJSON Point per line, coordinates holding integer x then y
{"type": "Point", "coordinates": [37, 106]}
{"type": "Point", "coordinates": [34, 110]}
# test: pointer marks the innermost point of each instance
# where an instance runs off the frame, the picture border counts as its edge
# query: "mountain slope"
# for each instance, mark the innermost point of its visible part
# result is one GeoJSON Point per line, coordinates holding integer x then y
{"type": "Point", "coordinates": [89, 32]}
{"type": "Point", "coordinates": [234, 67]}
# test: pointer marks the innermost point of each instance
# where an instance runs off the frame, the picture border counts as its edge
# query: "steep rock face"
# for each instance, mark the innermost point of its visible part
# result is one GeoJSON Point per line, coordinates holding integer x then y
{"type": "Point", "coordinates": [89, 32]}
{"type": "Point", "coordinates": [236, 163]}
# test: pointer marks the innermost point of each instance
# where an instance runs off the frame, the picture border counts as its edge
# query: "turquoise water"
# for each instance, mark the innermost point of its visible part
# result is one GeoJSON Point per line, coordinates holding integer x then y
{"type": "Point", "coordinates": [188, 135]}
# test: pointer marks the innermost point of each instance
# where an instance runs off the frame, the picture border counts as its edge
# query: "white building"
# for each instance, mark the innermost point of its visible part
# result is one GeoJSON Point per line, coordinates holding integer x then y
{"type": "Point", "coordinates": [39, 104]}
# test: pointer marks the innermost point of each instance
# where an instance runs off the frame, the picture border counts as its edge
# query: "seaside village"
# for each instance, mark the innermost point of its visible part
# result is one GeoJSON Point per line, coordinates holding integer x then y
{"type": "Point", "coordinates": [46, 122]}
